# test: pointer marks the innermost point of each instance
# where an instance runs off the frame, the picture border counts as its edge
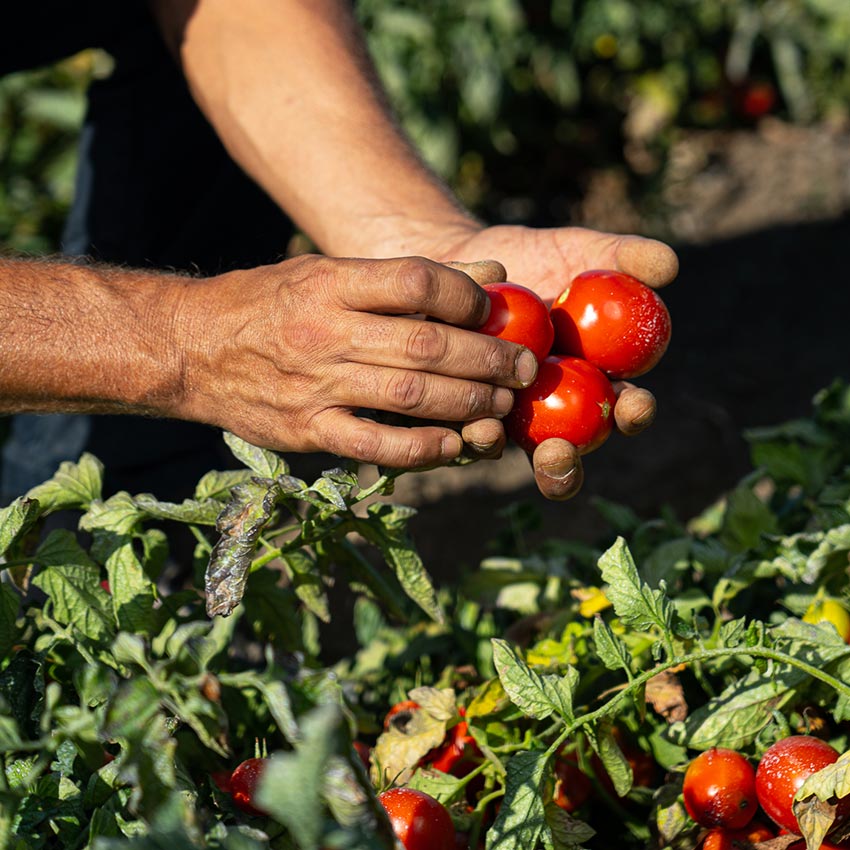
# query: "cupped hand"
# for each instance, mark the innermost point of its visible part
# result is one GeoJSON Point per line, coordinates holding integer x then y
{"type": "Point", "coordinates": [546, 260]}
{"type": "Point", "coordinates": [285, 355]}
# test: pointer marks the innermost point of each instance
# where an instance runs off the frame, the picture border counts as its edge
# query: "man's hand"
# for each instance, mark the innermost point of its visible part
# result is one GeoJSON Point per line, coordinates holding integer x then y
{"type": "Point", "coordinates": [284, 355]}
{"type": "Point", "coordinates": [546, 260]}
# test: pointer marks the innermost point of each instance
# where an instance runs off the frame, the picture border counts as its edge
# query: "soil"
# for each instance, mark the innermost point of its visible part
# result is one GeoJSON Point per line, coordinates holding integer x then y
{"type": "Point", "coordinates": [761, 322]}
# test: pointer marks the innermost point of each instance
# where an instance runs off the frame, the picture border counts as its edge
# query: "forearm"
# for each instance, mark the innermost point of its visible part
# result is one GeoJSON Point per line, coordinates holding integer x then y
{"type": "Point", "coordinates": [289, 88]}
{"type": "Point", "coordinates": [77, 338]}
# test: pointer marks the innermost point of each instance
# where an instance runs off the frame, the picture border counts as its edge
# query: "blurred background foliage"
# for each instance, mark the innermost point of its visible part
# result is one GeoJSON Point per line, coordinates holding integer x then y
{"type": "Point", "coordinates": [514, 102]}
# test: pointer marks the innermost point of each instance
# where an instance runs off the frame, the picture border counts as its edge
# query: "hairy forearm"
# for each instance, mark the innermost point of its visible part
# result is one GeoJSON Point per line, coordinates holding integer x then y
{"type": "Point", "coordinates": [290, 90]}
{"type": "Point", "coordinates": [78, 338]}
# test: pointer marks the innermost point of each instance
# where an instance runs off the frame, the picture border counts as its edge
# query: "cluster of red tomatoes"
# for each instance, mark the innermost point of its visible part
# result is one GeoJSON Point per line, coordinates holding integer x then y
{"type": "Point", "coordinates": [604, 326]}
{"type": "Point", "coordinates": [726, 794]}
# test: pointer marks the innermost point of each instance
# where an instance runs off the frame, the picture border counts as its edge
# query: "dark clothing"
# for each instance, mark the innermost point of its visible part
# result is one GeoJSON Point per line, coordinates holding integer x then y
{"type": "Point", "coordinates": [155, 188]}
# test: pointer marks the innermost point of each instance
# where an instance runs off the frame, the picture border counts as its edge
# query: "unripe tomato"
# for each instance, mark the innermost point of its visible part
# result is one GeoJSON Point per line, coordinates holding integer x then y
{"type": "Point", "coordinates": [519, 315]}
{"type": "Point", "coordinates": [419, 821]}
{"type": "Point", "coordinates": [830, 611]}
{"type": "Point", "coordinates": [570, 399]}
{"type": "Point", "coordinates": [720, 789]}
{"type": "Point", "coordinates": [783, 768]}
{"type": "Point", "coordinates": [613, 320]}
{"type": "Point", "coordinates": [243, 784]}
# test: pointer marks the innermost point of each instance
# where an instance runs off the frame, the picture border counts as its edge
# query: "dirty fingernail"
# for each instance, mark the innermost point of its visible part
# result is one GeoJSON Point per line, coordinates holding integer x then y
{"type": "Point", "coordinates": [503, 401]}
{"type": "Point", "coordinates": [559, 471]}
{"type": "Point", "coordinates": [526, 367]}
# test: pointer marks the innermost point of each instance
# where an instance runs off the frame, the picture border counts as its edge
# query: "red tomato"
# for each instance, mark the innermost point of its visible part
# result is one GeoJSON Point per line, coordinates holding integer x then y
{"type": "Point", "coordinates": [221, 779]}
{"type": "Point", "coordinates": [364, 751]}
{"type": "Point", "coordinates": [405, 707]}
{"type": "Point", "coordinates": [717, 839]}
{"type": "Point", "coordinates": [243, 784]}
{"type": "Point", "coordinates": [720, 789]}
{"type": "Point", "coordinates": [782, 770]}
{"type": "Point", "coordinates": [457, 754]}
{"type": "Point", "coordinates": [419, 821]}
{"type": "Point", "coordinates": [519, 315]}
{"type": "Point", "coordinates": [613, 320]}
{"type": "Point", "coordinates": [572, 785]}
{"type": "Point", "coordinates": [570, 399]}
{"type": "Point", "coordinates": [752, 833]}
{"type": "Point", "coordinates": [755, 99]}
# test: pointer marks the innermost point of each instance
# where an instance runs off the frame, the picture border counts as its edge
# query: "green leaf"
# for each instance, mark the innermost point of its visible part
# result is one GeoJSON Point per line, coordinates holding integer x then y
{"type": "Point", "coordinates": [240, 523]}
{"type": "Point", "coordinates": [747, 518]}
{"type": "Point", "coordinates": [307, 583]}
{"type": "Point", "coordinates": [567, 832]}
{"type": "Point", "coordinates": [217, 485]}
{"type": "Point", "coordinates": [536, 695]}
{"type": "Point", "coordinates": [291, 786]}
{"type": "Point", "coordinates": [72, 582]}
{"type": "Point", "coordinates": [521, 822]}
{"type": "Point", "coordinates": [613, 760]}
{"type": "Point", "coordinates": [612, 652]}
{"type": "Point", "coordinates": [16, 520]}
{"type": "Point", "coordinates": [133, 593]}
{"type": "Point", "coordinates": [635, 603]}
{"type": "Point", "coordinates": [387, 529]}
{"type": "Point", "coordinates": [189, 511]}
{"type": "Point", "coordinates": [10, 602]}
{"type": "Point", "coordinates": [74, 486]}
{"type": "Point", "coordinates": [265, 463]}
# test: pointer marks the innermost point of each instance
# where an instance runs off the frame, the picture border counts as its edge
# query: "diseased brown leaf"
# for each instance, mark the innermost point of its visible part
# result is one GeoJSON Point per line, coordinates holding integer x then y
{"type": "Point", "coordinates": [665, 694]}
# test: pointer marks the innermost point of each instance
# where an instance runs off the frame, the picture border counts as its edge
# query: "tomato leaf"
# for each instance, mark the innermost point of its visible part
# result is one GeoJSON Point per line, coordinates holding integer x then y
{"type": "Point", "coordinates": [307, 582]}
{"type": "Point", "coordinates": [635, 603]}
{"type": "Point", "coordinates": [388, 531]}
{"type": "Point", "coordinates": [265, 463]}
{"type": "Point", "coordinates": [612, 652]}
{"type": "Point", "coordinates": [188, 511]}
{"type": "Point", "coordinates": [613, 760]}
{"type": "Point", "coordinates": [240, 523]}
{"type": "Point", "coordinates": [9, 603]}
{"type": "Point", "coordinates": [522, 821]}
{"type": "Point", "coordinates": [16, 520]}
{"type": "Point", "coordinates": [218, 484]}
{"type": "Point", "coordinates": [536, 695]}
{"type": "Point", "coordinates": [566, 831]}
{"type": "Point", "coordinates": [74, 486]}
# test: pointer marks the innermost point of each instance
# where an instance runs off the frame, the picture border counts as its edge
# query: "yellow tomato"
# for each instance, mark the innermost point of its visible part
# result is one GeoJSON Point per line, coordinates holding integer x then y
{"type": "Point", "coordinates": [829, 611]}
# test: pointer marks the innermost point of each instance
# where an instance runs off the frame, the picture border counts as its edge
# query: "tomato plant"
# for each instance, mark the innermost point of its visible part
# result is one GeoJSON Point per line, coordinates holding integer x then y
{"type": "Point", "coordinates": [419, 821]}
{"type": "Point", "coordinates": [783, 768]}
{"type": "Point", "coordinates": [612, 320]}
{"type": "Point", "coordinates": [400, 712]}
{"type": "Point", "coordinates": [519, 315]}
{"type": "Point", "coordinates": [456, 755]}
{"type": "Point", "coordinates": [570, 399]}
{"type": "Point", "coordinates": [243, 784]}
{"type": "Point", "coordinates": [829, 611]}
{"type": "Point", "coordinates": [720, 789]}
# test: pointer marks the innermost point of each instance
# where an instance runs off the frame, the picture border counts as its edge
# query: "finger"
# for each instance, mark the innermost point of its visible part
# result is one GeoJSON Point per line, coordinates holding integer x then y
{"type": "Point", "coordinates": [433, 347]}
{"type": "Point", "coordinates": [425, 396]}
{"type": "Point", "coordinates": [413, 285]}
{"type": "Point", "coordinates": [482, 271]}
{"type": "Point", "coordinates": [635, 408]}
{"type": "Point", "coordinates": [484, 438]}
{"type": "Point", "coordinates": [557, 469]}
{"type": "Point", "coordinates": [649, 260]}
{"type": "Point", "coordinates": [366, 441]}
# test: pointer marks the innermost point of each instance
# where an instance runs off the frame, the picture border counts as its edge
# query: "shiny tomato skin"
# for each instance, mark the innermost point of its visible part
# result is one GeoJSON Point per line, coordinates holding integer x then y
{"type": "Point", "coordinates": [419, 821]}
{"type": "Point", "coordinates": [570, 399]}
{"type": "Point", "coordinates": [720, 789]}
{"type": "Point", "coordinates": [519, 315]}
{"type": "Point", "coordinates": [613, 320]}
{"type": "Point", "coordinates": [783, 768]}
{"type": "Point", "coordinates": [243, 784]}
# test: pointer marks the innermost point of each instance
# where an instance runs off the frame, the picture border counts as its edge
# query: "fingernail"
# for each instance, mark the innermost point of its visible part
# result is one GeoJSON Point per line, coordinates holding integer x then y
{"type": "Point", "coordinates": [503, 401]}
{"type": "Point", "coordinates": [562, 471]}
{"type": "Point", "coordinates": [452, 446]}
{"type": "Point", "coordinates": [526, 367]}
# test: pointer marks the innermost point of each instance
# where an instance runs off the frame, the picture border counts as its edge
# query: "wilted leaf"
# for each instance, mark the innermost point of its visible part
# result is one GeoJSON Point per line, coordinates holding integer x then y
{"type": "Point", "coordinates": [664, 692]}
{"type": "Point", "coordinates": [241, 522]}
{"type": "Point", "coordinates": [398, 751]}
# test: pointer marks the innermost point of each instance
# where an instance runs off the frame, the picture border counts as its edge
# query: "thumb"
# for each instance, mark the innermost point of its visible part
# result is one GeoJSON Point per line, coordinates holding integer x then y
{"type": "Point", "coordinates": [481, 271]}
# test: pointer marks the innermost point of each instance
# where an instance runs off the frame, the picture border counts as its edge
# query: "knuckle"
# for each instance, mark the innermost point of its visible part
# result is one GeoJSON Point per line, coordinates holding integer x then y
{"type": "Point", "coordinates": [426, 344]}
{"type": "Point", "coordinates": [367, 446]}
{"type": "Point", "coordinates": [479, 400]}
{"type": "Point", "coordinates": [416, 281]}
{"type": "Point", "coordinates": [406, 390]}
{"type": "Point", "coordinates": [498, 361]}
